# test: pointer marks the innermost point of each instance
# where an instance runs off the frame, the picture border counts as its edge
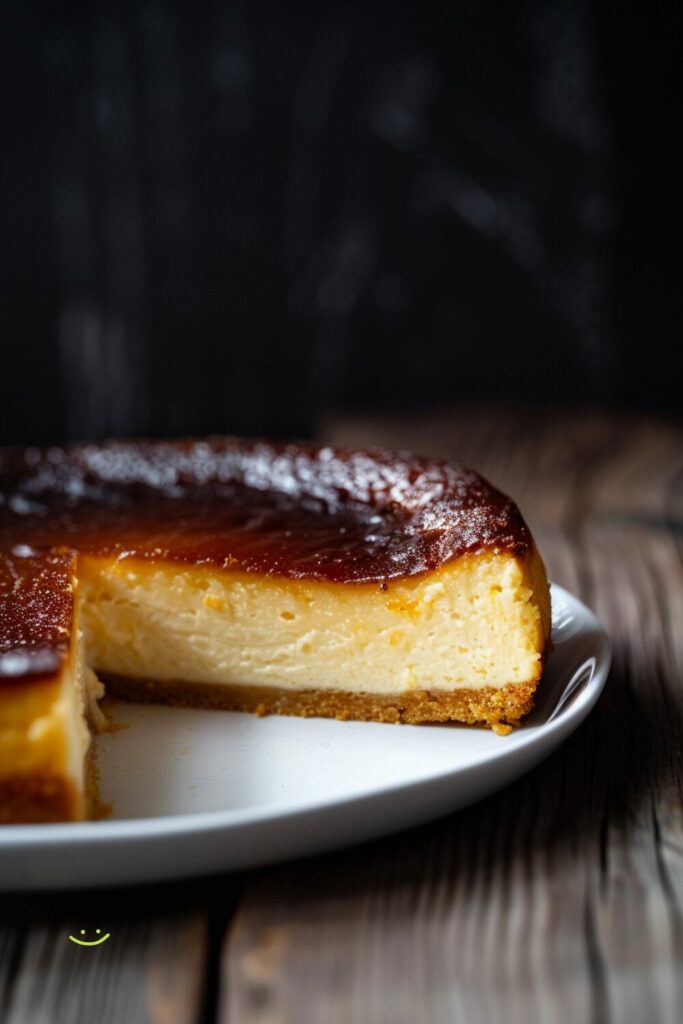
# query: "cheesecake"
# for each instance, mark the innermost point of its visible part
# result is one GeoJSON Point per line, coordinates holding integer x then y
{"type": "Point", "coordinates": [247, 575]}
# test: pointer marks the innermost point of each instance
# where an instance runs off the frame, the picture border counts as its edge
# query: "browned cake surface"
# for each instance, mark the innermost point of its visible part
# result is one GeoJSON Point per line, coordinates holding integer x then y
{"type": "Point", "coordinates": [36, 609]}
{"type": "Point", "coordinates": [300, 511]}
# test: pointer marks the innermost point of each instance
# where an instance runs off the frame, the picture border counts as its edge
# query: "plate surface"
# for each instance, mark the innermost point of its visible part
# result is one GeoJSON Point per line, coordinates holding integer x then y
{"type": "Point", "coordinates": [196, 792]}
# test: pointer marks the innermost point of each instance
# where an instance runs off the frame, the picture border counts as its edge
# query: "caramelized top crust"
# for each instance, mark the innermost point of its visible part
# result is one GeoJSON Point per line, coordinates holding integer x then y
{"type": "Point", "coordinates": [301, 511]}
{"type": "Point", "coordinates": [36, 610]}
{"type": "Point", "coordinates": [295, 510]}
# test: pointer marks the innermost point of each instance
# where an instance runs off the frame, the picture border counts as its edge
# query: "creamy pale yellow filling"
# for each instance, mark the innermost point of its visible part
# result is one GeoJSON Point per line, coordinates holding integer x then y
{"type": "Point", "coordinates": [35, 724]}
{"type": "Point", "coordinates": [44, 724]}
{"type": "Point", "coordinates": [477, 621]}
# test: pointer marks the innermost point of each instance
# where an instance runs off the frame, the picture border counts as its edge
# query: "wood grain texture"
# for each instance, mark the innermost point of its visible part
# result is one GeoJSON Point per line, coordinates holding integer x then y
{"type": "Point", "coordinates": [144, 973]}
{"type": "Point", "coordinates": [152, 969]}
{"type": "Point", "coordinates": [559, 899]}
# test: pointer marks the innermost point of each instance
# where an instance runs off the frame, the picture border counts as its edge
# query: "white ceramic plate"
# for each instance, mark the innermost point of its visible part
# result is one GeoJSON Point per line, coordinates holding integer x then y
{"type": "Point", "coordinates": [197, 792]}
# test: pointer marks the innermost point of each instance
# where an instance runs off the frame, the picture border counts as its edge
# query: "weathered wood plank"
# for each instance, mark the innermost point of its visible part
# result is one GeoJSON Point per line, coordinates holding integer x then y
{"type": "Point", "coordinates": [561, 898]}
{"type": "Point", "coordinates": [144, 973]}
{"type": "Point", "coordinates": [151, 970]}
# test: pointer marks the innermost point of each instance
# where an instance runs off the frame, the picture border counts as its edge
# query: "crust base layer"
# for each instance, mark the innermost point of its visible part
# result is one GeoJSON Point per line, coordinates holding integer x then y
{"type": "Point", "coordinates": [498, 707]}
{"type": "Point", "coordinates": [33, 799]}
{"type": "Point", "coordinates": [39, 798]}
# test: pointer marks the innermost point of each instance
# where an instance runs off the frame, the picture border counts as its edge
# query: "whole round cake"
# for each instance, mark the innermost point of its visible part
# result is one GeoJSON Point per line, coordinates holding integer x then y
{"type": "Point", "coordinates": [268, 577]}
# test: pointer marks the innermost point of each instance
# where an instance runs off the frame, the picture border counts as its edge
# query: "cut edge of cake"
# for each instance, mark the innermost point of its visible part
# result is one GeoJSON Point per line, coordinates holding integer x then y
{"type": "Point", "coordinates": [465, 642]}
{"type": "Point", "coordinates": [48, 768]}
{"type": "Point", "coordinates": [213, 638]}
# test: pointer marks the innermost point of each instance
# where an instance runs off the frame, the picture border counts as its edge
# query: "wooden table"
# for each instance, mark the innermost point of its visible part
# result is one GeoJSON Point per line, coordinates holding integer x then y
{"type": "Point", "coordinates": [559, 899]}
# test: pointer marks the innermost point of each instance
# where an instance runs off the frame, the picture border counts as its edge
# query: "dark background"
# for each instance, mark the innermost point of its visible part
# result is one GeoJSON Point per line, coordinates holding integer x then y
{"type": "Point", "coordinates": [247, 216]}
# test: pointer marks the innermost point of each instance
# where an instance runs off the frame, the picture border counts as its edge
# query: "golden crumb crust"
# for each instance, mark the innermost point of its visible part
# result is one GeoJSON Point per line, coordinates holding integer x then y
{"type": "Point", "coordinates": [43, 797]}
{"type": "Point", "coordinates": [497, 707]}
{"type": "Point", "coordinates": [30, 799]}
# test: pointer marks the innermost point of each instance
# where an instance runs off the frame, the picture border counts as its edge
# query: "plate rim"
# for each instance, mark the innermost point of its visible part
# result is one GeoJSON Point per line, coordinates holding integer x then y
{"type": "Point", "coordinates": [96, 833]}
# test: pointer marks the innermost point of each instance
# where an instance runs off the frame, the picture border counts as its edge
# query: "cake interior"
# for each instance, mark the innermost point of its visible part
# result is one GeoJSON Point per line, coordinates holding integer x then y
{"type": "Point", "coordinates": [464, 642]}
{"type": "Point", "coordinates": [473, 623]}
{"type": "Point", "coordinates": [47, 771]}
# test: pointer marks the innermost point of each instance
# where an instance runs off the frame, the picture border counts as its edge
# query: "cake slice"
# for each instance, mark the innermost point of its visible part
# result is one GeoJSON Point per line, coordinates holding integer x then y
{"type": "Point", "coordinates": [292, 579]}
{"type": "Point", "coordinates": [48, 696]}
{"type": "Point", "coordinates": [462, 643]}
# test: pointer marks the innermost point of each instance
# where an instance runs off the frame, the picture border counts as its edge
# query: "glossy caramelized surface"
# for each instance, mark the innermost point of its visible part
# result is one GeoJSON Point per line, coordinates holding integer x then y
{"type": "Point", "coordinates": [294, 510]}
{"type": "Point", "coordinates": [36, 610]}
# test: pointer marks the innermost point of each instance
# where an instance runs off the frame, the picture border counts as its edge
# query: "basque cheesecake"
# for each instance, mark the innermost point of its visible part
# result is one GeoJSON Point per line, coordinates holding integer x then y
{"type": "Point", "coordinates": [248, 575]}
